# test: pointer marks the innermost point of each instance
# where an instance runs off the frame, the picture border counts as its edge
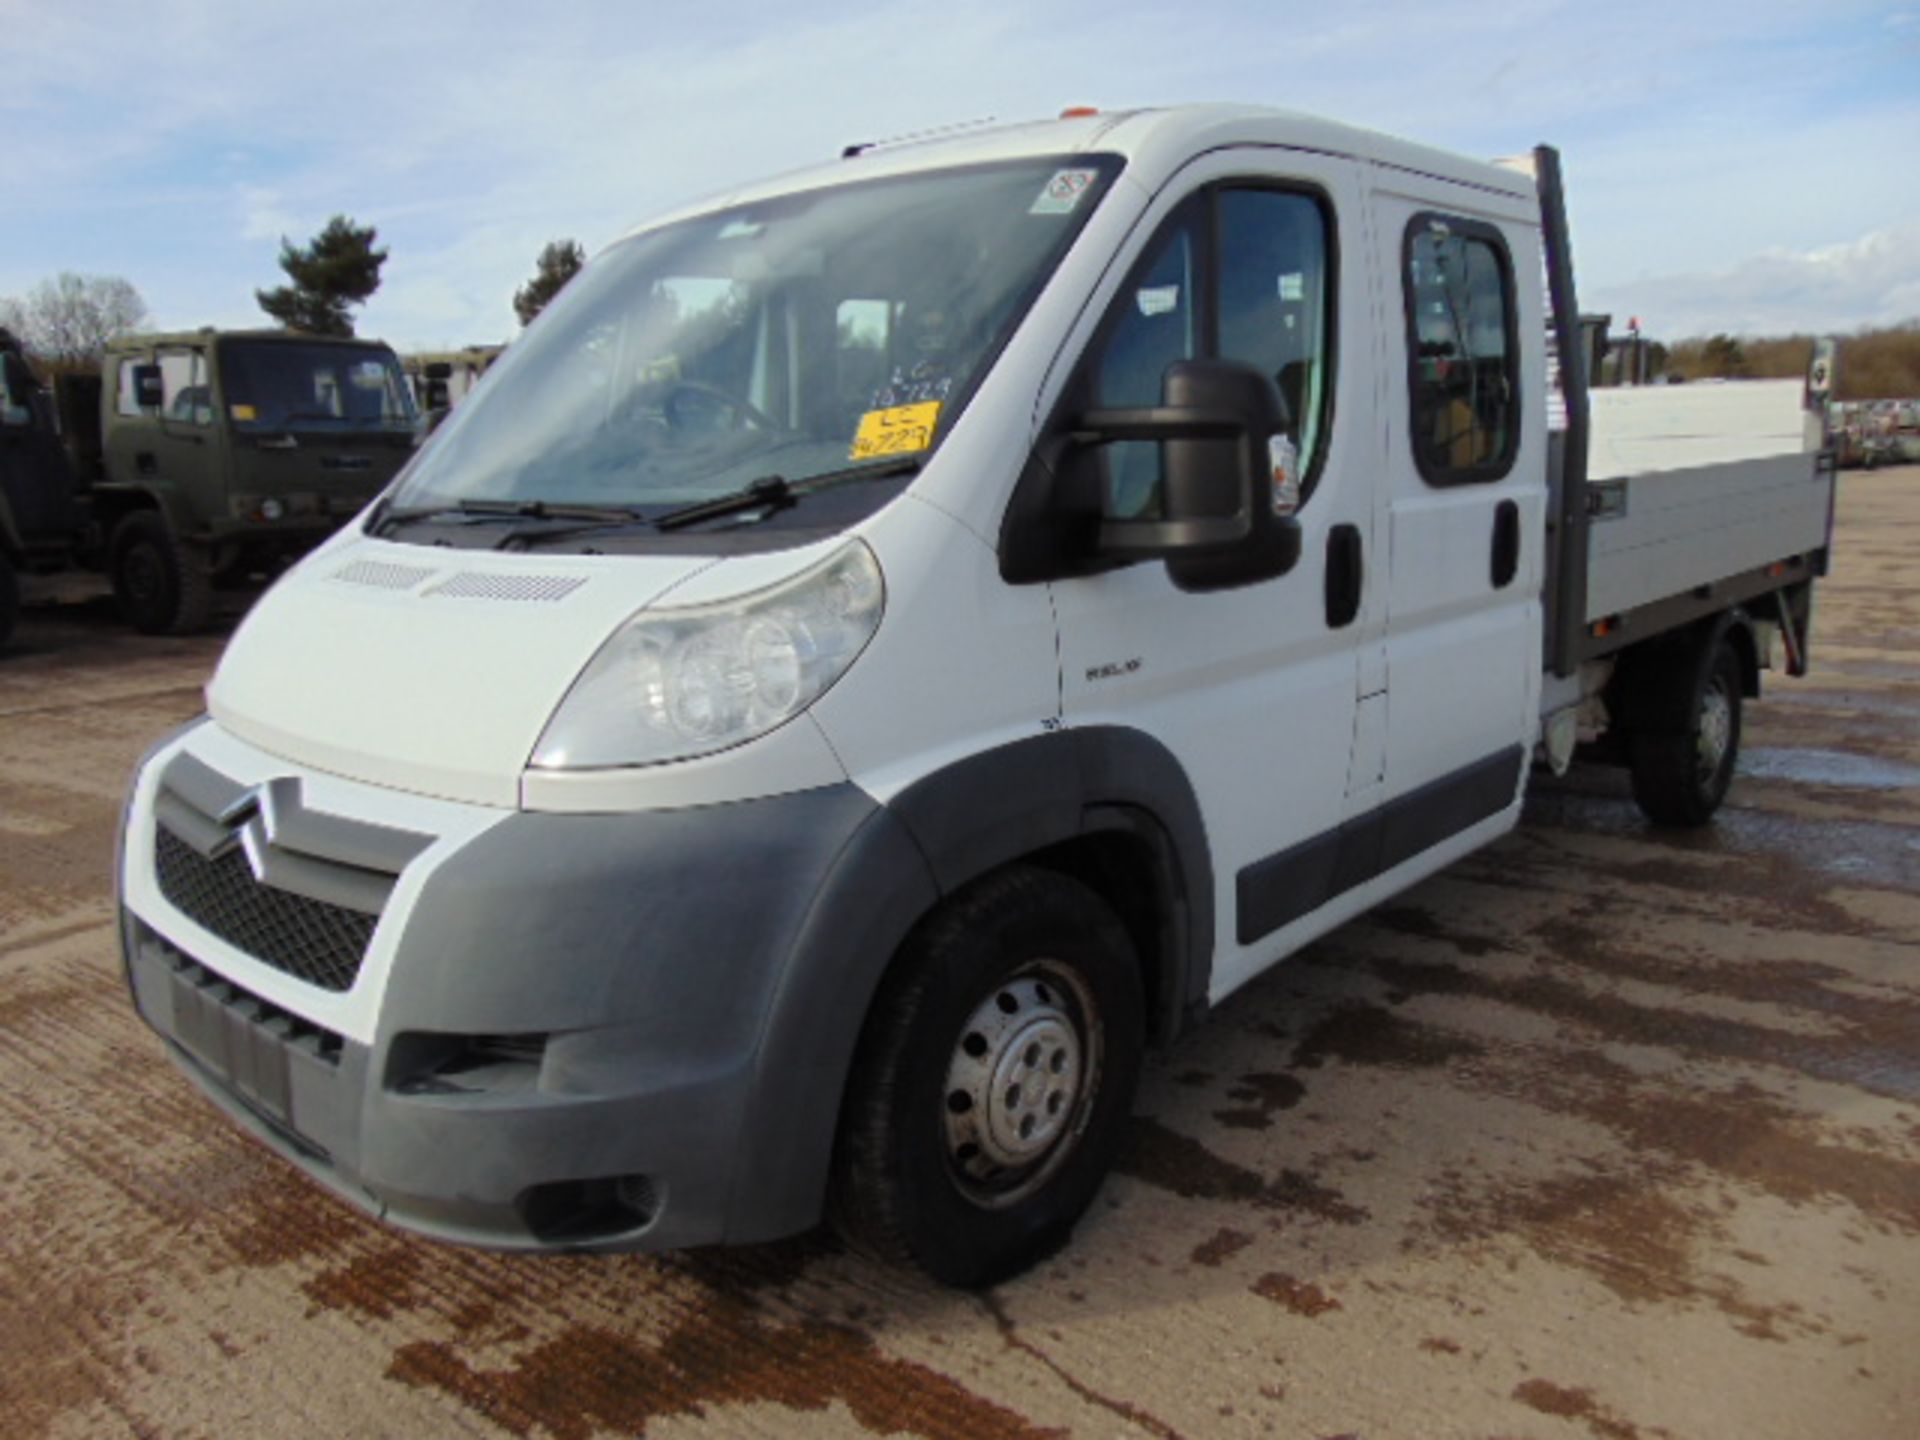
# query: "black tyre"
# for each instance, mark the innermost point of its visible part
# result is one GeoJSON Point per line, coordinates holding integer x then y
{"type": "Point", "coordinates": [994, 1081]}
{"type": "Point", "coordinates": [162, 586]}
{"type": "Point", "coordinates": [9, 599]}
{"type": "Point", "coordinates": [1681, 776]}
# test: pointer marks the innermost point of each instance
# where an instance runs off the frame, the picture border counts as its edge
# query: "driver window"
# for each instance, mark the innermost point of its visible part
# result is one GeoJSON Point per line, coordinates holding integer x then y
{"type": "Point", "coordinates": [126, 395]}
{"type": "Point", "coordinates": [186, 398]}
{"type": "Point", "coordinates": [1271, 292]}
{"type": "Point", "coordinates": [16, 390]}
{"type": "Point", "coordinates": [1275, 299]}
{"type": "Point", "coordinates": [1156, 323]}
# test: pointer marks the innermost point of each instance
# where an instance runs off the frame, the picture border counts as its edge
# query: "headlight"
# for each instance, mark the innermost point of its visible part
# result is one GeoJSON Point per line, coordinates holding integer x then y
{"type": "Point", "coordinates": [672, 684]}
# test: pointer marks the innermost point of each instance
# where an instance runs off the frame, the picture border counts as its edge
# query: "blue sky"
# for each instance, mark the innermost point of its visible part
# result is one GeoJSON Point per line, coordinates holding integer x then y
{"type": "Point", "coordinates": [1739, 166]}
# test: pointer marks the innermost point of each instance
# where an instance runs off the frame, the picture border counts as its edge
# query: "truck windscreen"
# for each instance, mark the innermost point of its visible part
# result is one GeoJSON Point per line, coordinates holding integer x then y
{"type": "Point", "coordinates": [281, 385]}
{"type": "Point", "coordinates": [792, 336]}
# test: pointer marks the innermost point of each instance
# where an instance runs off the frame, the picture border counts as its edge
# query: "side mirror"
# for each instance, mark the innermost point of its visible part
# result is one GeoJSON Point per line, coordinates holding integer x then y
{"type": "Point", "coordinates": [438, 370]}
{"type": "Point", "coordinates": [1230, 477]}
{"type": "Point", "coordinates": [148, 391]}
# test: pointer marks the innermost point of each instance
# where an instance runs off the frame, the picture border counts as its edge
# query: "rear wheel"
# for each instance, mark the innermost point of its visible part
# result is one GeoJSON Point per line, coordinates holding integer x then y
{"type": "Point", "coordinates": [162, 586]}
{"type": "Point", "coordinates": [1680, 777]}
{"type": "Point", "coordinates": [994, 1081]}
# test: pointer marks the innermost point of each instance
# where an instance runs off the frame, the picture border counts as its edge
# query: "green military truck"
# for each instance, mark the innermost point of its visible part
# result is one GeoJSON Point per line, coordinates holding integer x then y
{"type": "Point", "coordinates": [39, 516]}
{"type": "Point", "coordinates": [224, 454]}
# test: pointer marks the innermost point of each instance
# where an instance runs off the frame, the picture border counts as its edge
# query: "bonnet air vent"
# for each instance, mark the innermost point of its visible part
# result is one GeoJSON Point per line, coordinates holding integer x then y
{"type": "Point", "coordinates": [470, 585]}
{"type": "Point", "coordinates": [380, 575]}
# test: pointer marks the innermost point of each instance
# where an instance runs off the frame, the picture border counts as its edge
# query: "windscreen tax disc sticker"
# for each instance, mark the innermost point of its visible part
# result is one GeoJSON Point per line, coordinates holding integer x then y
{"type": "Point", "coordinates": [897, 430]}
{"type": "Point", "coordinates": [1062, 192]}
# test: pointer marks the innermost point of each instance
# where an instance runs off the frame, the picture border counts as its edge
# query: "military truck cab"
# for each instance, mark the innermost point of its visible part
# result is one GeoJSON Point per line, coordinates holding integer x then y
{"type": "Point", "coordinates": [225, 455]}
{"type": "Point", "coordinates": [39, 520]}
{"type": "Point", "coordinates": [441, 379]}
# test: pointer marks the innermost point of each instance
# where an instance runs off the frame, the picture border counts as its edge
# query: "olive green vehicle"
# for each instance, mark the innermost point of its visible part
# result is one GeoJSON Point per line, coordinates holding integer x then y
{"type": "Point", "coordinates": [223, 455]}
{"type": "Point", "coordinates": [39, 517]}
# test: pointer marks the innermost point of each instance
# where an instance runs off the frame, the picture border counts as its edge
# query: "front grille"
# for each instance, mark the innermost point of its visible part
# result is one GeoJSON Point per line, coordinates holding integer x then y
{"type": "Point", "coordinates": [311, 940]}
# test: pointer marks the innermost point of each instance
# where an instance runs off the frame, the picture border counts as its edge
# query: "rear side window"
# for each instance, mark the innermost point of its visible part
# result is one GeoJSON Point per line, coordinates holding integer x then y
{"type": "Point", "coordinates": [1463, 381]}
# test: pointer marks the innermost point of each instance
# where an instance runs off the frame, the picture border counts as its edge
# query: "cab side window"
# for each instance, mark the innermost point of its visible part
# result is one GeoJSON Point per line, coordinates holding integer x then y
{"type": "Point", "coordinates": [16, 392]}
{"type": "Point", "coordinates": [1241, 272]}
{"type": "Point", "coordinates": [1157, 322]}
{"type": "Point", "coordinates": [1275, 299]}
{"type": "Point", "coordinates": [1463, 381]}
{"type": "Point", "coordinates": [186, 398]}
{"type": "Point", "coordinates": [126, 396]}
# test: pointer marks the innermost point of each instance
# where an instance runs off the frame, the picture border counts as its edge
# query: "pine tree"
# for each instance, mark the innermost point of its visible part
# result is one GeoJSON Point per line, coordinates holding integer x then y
{"type": "Point", "coordinates": [337, 270]}
{"type": "Point", "coordinates": [558, 263]}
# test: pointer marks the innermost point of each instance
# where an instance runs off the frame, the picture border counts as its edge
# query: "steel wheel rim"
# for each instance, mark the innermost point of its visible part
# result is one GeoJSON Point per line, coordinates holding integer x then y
{"type": "Point", "coordinates": [1020, 1083]}
{"type": "Point", "coordinates": [1715, 736]}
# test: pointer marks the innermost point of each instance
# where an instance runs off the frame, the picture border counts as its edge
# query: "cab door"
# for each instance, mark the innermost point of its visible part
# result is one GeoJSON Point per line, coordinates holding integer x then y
{"type": "Point", "coordinates": [175, 448]}
{"type": "Point", "coordinates": [188, 446]}
{"type": "Point", "coordinates": [1465, 496]}
{"type": "Point", "coordinates": [1253, 689]}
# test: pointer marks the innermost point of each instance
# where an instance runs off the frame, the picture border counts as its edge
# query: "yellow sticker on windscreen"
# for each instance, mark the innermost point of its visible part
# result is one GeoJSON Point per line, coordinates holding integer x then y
{"type": "Point", "coordinates": [242, 412]}
{"type": "Point", "coordinates": [898, 430]}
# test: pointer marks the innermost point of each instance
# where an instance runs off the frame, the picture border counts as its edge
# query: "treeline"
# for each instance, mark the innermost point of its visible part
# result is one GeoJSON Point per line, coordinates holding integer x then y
{"type": "Point", "coordinates": [1880, 364]}
{"type": "Point", "coordinates": [66, 322]}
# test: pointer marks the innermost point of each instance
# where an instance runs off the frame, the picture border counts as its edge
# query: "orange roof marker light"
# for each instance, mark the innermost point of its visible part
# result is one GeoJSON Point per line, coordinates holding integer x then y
{"type": "Point", "coordinates": [1079, 112]}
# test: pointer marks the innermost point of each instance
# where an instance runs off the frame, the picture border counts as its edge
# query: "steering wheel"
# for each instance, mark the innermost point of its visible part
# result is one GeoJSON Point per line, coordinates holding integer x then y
{"type": "Point", "coordinates": [672, 406]}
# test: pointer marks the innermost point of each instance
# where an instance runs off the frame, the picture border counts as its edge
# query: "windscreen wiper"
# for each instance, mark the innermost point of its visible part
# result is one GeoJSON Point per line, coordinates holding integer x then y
{"type": "Point", "coordinates": [546, 510]}
{"type": "Point", "coordinates": [776, 492]}
{"type": "Point", "coordinates": [596, 515]}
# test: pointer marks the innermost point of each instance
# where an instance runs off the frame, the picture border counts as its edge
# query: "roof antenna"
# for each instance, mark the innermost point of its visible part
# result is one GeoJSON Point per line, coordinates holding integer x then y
{"type": "Point", "coordinates": [860, 147]}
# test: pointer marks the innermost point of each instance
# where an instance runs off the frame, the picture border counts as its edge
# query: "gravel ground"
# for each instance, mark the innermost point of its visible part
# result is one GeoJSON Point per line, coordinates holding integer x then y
{"type": "Point", "coordinates": [1603, 1133]}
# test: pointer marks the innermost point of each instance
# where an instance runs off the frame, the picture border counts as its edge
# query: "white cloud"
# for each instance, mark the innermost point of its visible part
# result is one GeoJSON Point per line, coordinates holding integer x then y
{"type": "Point", "coordinates": [1872, 280]}
{"type": "Point", "coordinates": [263, 216]}
{"type": "Point", "coordinates": [175, 144]}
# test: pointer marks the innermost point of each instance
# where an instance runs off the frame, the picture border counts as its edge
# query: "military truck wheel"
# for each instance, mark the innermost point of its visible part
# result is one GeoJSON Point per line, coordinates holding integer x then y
{"type": "Point", "coordinates": [9, 599]}
{"type": "Point", "coordinates": [162, 586]}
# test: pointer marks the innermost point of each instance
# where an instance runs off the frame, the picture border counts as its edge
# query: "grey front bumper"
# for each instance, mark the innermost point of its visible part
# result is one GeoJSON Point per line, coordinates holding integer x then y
{"type": "Point", "coordinates": [659, 1008]}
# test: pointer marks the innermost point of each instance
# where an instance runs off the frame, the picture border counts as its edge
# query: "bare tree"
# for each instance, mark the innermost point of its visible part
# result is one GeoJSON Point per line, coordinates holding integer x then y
{"type": "Point", "coordinates": [69, 319]}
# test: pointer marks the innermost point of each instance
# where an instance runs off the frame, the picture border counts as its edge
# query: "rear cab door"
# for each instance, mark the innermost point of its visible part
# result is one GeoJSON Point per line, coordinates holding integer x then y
{"type": "Point", "coordinates": [1463, 391]}
{"type": "Point", "coordinates": [1253, 254]}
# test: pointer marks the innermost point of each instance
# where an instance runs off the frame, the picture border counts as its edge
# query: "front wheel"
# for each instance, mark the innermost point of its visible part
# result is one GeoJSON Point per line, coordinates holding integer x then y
{"type": "Point", "coordinates": [162, 586]}
{"type": "Point", "coordinates": [1680, 778]}
{"type": "Point", "coordinates": [994, 1081]}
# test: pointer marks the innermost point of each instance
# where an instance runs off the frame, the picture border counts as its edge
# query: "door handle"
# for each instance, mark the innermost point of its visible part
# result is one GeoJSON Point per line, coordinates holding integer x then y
{"type": "Point", "coordinates": [1345, 574]}
{"type": "Point", "coordinates": [1506, 543]}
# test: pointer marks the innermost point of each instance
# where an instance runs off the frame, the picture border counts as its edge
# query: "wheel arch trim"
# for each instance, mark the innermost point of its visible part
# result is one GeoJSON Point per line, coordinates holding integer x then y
{"type": "Point", "coordinates": [993, 809]}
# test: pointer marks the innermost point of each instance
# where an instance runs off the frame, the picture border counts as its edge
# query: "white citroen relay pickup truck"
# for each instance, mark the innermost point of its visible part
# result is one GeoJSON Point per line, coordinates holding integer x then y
{"type": "Point", "coordinates": [892, 642]}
